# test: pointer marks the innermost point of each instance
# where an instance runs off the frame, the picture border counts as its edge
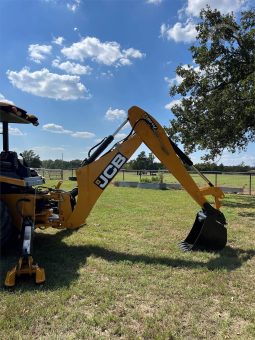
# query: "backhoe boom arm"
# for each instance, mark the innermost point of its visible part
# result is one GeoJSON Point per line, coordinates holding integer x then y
{"type": "Point", "coordinates": [96, 174]}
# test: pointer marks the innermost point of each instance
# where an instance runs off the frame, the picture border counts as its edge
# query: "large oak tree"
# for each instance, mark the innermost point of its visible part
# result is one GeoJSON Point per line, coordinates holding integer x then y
{"type": "Point", "coordinates": [31, 159]}
{"type": "Point", "coordinates": [217, 109]}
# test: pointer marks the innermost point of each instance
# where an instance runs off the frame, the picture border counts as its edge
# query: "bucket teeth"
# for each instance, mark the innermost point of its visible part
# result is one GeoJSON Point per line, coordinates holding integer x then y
{"type": "Point", "coordinates": [184, 246]}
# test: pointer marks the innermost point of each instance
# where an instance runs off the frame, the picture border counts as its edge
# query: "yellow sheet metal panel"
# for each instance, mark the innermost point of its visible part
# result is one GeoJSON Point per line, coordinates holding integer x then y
{"type": "Point", "coordinates": [11, 180]}
{"type": "Point", "coordinates": [94, 178]}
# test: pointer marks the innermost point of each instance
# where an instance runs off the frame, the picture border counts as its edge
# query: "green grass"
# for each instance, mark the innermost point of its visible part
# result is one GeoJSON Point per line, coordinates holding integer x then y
{"type": "Point", "coordinates": [123, 275]}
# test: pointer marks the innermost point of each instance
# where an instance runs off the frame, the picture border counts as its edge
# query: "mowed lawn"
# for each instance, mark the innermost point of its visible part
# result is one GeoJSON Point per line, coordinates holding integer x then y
{"type": "Point", "coordinates": [124, 276]}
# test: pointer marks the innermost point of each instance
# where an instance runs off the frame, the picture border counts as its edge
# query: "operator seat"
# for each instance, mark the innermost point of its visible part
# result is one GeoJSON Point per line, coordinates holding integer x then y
{"type": "Point", "coordinates": [11, 166]}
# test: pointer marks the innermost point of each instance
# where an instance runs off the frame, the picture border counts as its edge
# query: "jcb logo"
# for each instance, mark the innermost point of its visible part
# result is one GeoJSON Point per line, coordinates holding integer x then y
{"type": "Point", "coordinates": [110, 171]}
{"type": "Point", "coordinates": [149, 120]}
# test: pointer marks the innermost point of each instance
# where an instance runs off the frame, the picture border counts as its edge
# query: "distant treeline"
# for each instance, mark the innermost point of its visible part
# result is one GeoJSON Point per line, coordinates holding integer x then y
{"type": "Point", "coordinates": [226, 168]}
{"type": "Point", "coordinates": [141, 162]}
{"type": "Point", "coordinates": [132, 165]}
{"type": "Point", "coordinates": [60, 164]}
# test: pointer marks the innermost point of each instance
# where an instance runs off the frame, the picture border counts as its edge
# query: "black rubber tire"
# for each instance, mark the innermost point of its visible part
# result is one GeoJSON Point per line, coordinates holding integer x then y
{"type": "Point", "coordinates": [6, 227]}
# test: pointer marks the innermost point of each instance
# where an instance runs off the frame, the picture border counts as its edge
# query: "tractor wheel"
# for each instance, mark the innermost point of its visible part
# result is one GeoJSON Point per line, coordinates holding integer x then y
{"type": "Point", "coordinates": [6, 227]}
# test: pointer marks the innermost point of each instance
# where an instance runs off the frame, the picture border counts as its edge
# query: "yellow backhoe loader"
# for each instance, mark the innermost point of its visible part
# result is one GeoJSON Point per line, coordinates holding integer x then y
{"type": "Point", "coordinates": [27, 204]}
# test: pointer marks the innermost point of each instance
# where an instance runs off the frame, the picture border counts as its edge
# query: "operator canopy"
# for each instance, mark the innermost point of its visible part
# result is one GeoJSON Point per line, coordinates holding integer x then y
{"type": "Point", "coordinates": [12, 114]}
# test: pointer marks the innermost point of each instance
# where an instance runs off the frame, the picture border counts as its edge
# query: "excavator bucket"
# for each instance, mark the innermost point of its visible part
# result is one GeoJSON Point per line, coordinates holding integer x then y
{"type": "Point", "coordinates": [208, 233]}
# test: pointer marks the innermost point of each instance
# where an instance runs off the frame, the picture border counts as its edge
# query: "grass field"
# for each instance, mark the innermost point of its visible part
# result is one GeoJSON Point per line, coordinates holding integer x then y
{"type": "Point", "coordinates": [123, 275]}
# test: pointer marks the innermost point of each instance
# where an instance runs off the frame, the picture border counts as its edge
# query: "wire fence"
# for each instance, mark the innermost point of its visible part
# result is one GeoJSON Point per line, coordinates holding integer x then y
{"type": "Point", "coordinates": [232, 182]}
{"type": "Point", "coordinates": [48, 174]}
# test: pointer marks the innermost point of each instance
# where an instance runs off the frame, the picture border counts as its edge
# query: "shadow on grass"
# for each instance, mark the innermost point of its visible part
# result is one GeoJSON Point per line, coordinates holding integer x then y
{"type": "Point", "coordinates": [247, 214]}
{"type": "Point", "coordinates": [239, 201]}
{"type": "Point", "coordinates": [62, 262]}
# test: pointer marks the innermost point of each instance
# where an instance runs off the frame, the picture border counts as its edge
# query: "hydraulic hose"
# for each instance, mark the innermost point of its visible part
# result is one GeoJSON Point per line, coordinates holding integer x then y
{"type": "Point", "coordinates": [186, 160]}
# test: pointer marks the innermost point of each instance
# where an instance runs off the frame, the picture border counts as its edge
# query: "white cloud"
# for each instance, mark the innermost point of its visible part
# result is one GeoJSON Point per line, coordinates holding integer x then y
{"type": "Point", "coordinates": [173, 81]}
{"type": "Point", "coordinates": [73, 5]}
{"type": "Point", "coordinates": [179, 32]}
{"type": "Point", "coordinates": [154, 2]}
{"type": "Point", "coordinates": [4, 100]}
{"type": "Point", "coordinates": [172, 103]}
{"type": "Point", "coordinates": [130, 53]}
{"type": "Point", "coordinates": [126, 126]}
{"type": "Point", "coordinates": [16, 132]}
{"type": "Point", "coordinates": [47, 149]}
{"type": "Point", "coordinates": [72, 68]}
{"type": "Point", "coordinates": [13, 131]}
{"type": "Point", "coordinates": [107, 53]}
{"type": "Point", "coordinates": [178, 79]}
{"type": "Point", "coordinates": [51, 127]}
{"type": "Point", "coordinates": [83, 134]}
{"type": "Point", "coordinates": [108, 74]}
{"type": "Point", "coordinates": [115, 114]}
{"type": "Point", "coordinates": [120, 136]}
{"type": "Point", "coordinates": [55, 128]}
{"type": "Point", "coordinates": [49, 152]}
{"type": "Point", "coordinates": [194, 7]}
{"type": "Point", "coordinates": [186, 31]}
{"type": "Point", "coordinates": [43, 83]}
{"type": "Point", "coordinates": [228, 158]}
{"type": "Point", "coordinates": [237, 158]}
{"type": "Point", "coordinates": [38, 53]}
{"type": "Point", "coordinates": [58, 41]}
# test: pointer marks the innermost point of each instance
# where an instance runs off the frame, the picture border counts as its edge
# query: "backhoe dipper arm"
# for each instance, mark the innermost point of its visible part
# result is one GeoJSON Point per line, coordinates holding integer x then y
{"type": "Point", "coordinates": [96, 174]}
{"type": "Point", "coordinates": [208, 231]}
{"type": "Point", "coordinates": [154, 136]}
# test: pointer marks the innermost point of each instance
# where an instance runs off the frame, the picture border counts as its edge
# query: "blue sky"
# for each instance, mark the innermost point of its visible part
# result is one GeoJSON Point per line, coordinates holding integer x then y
{"type": "Point", "coordinates": [80, 64]}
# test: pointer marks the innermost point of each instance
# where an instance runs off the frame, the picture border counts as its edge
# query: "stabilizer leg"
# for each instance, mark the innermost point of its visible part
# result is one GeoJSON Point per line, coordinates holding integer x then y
{"type": "Point", "coordinates": [25, 265]}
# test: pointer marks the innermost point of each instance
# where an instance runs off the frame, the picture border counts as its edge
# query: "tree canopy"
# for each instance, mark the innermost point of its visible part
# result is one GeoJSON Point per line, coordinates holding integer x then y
{"type": "Point", "coordinates": [32, 160]}
{"type": "Point", "coordinates": [217, 108]}
{"type": "Point", "coordinates": [143, 162]}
